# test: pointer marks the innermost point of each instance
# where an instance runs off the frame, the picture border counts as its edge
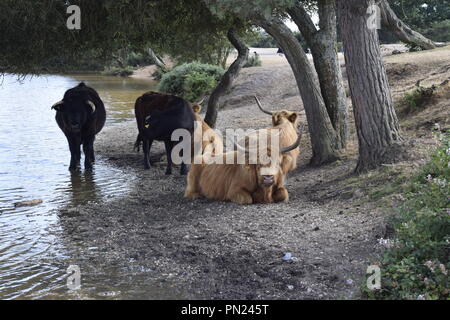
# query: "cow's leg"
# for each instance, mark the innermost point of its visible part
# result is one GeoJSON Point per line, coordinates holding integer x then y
{"type": "Point", "coordinates": [281, 195]}
{"type": "Point", "coordinates": [183, 170]}
{"type": "Point", "coordinates": [75, 153]}
{"type": "Point", "coordinates": [191, 191]}
{"type": "Point", "coordinates": [168, 145]}
{"type": "Point", "coordinates": [241, 196]}
{"type": "Point", "coordinates": [287, 163]}
{"type": "Point", "coordinates": [88, 149]}
{"type": "Point", "coordinates": [262, 195]}
{"type": "Point", "coordinates": [146, 145]}
{"type": "Point", "coordinates": [92, 150]}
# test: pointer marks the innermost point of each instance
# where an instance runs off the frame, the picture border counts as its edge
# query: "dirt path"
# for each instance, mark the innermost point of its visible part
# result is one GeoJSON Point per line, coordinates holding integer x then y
{"type": "Point", "coordinates": [204, 249]}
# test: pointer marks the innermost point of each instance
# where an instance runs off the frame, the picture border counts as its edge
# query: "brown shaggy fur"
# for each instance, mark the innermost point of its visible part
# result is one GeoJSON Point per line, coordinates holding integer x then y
{"type": "Point", "coordinates": [212, 143]}
{"type": "Point", "coordinates": [243, 184]}
{"type": "Point", "coordinates": [286, 122]}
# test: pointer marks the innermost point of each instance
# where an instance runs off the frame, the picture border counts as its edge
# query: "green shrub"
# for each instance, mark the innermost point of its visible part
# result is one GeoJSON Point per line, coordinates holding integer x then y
{"type": "Point", "coordinates": [417, 266]}
{"type": "Point", "coordinates": [191, 80]}
{"type": "Point", "coordinates": [253, 61]}
{"type": "Point", "coordinates": [197, 84]}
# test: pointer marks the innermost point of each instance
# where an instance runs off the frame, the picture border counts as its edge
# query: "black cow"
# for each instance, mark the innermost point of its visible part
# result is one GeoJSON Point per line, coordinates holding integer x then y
{"type": "Point", "coordinates": [80, 115]}
{"type": "Point", "coordinates": [158, 115]}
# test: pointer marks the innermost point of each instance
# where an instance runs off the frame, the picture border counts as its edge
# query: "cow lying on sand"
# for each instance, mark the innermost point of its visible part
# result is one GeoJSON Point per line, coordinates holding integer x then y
{"type": "Point", "coordinates": [287, 123]}
{"type": "Point", "coordinates": [80, 115]}
{"type": "Point", "coordinates": [246, 183]}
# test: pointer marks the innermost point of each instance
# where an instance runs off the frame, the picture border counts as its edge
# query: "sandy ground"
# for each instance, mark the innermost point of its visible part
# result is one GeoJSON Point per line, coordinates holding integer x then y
{"type": "Point", "coordinates": [205, 249]}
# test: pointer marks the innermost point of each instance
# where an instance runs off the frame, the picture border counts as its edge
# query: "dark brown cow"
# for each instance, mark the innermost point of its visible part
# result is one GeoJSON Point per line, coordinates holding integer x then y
{"type": "Point", "coordinates": [158, 115]}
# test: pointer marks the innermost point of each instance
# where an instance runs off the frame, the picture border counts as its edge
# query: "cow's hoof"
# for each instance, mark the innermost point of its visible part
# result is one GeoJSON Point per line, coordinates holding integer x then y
{"type": "Point", "coordinates": [192, 196]}
{"type": "Point", "coordinates": [168, 172]}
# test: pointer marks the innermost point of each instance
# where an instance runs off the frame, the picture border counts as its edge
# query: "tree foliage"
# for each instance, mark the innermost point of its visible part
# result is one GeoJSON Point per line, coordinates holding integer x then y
{"type": "Point", "coordinates": [35, 32]}
{"type": "Point", "coordinates": [421, 14]}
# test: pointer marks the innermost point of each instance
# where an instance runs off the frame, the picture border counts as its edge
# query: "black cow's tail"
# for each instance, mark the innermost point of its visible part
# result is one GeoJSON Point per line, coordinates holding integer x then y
{"type": "Point", "coordinates": [137, 144]}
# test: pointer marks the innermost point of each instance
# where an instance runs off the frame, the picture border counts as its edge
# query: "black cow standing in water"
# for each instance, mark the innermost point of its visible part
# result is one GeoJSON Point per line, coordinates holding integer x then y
{"type": "Point", "coordinates": [80, 115]}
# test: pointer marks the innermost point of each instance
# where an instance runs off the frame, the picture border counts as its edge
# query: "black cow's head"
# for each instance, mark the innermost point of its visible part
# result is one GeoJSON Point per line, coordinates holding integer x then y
{"type": "Point", "coordinates": [76, 109]}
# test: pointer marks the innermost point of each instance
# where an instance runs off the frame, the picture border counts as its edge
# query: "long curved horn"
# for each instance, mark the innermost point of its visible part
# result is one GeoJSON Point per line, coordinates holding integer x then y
{"type": "Point", "coordinates": [260, 107]}
{"type": "Point", "coordinates": [201, 101]}
{"type": "Point", "coordinates": [297, 143]}
{"type": "Point", "coordinates": [57, 104]}
{"type": "Point", "coordinates": [91, 104]}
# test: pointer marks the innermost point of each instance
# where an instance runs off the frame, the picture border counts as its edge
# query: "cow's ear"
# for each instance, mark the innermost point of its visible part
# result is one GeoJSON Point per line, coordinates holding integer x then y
{"type": "Point", "coordinates": [275, 119]}
{"type": "Point", "coordinates": [293, 117]}
{"type": "Point", "coordinates": [58, 106]}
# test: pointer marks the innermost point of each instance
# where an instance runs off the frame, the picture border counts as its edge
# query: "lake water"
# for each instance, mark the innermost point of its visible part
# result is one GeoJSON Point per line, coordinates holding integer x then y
{"type": "Point", "coordinates": [34, 159]}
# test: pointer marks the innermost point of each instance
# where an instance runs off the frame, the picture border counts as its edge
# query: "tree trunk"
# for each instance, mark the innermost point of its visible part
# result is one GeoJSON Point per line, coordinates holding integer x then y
{"type": "Point", "coordinates": [401, 30]}
{"type": "Point", "coordinates": [227, 79]}
{"type": "Point", "coordinates": [323, 136]}
{"type": "Point", "coordinates": [158, 62]}
{"type": "Point", "coordinates": [323, 44]}
{"type": "Point", "coordinates": [375, 119]}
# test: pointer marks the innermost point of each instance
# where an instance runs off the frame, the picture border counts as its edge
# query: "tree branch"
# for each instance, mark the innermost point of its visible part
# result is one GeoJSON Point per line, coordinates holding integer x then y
{"type": "Point", "coordinates": [303, 20]}
{"type": "Point", "coordinates": [401, 30]}
{"type": "Point", "coordinates": [227, 79]}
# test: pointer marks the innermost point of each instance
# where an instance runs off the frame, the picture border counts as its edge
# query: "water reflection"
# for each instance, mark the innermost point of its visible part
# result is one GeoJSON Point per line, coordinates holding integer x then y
{"type": "Point", "coordinates": [83, 187]}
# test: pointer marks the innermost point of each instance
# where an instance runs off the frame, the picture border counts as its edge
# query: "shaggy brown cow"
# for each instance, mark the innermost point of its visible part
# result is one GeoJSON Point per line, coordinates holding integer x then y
{"type": "Point", "coordinates": [212, 143]}
{"type": "Point", "coordinates": [240, 183]}
{"type": "Point", "coordinates": [287, 123]}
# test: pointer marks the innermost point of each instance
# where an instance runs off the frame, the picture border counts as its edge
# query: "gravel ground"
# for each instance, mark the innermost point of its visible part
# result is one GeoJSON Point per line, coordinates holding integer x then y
{"type": "Point", "coordinates": [154, 238]}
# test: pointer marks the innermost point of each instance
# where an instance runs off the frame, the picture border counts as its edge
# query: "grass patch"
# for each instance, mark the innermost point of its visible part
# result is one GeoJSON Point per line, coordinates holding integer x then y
{"type": "Point", "coordinates": [417, 100]}
{"type": "Point", "coordinates": [417, 265]}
